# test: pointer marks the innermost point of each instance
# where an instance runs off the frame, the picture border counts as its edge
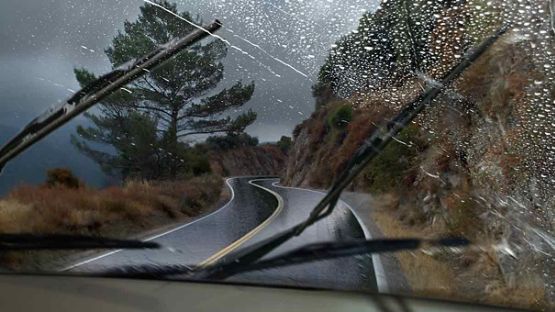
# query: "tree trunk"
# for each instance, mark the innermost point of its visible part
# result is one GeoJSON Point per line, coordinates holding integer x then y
{"type": "Point", "coordinates": [173, 145]}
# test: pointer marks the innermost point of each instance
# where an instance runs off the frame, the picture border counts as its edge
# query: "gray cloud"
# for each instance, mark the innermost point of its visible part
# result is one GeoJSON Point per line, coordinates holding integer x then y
{"type": "Point", "coordinates": [44, 40]}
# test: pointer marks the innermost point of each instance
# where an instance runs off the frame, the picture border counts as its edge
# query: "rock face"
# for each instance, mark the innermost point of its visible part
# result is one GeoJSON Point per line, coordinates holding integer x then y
{"type": "Point", "coordinates": [266, 159]}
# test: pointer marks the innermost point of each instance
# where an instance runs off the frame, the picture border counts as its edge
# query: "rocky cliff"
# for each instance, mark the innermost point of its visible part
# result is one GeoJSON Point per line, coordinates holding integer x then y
{"type": "Point", "coordinates": [265, 159]}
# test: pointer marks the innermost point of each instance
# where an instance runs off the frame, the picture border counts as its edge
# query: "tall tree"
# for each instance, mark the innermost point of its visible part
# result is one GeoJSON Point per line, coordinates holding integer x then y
{"type": "Point", "coordinates": [177, 97]}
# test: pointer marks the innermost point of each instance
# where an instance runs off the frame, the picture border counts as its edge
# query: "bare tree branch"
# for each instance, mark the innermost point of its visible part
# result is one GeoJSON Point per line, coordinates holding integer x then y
{"type": "Point", "coordinates": [202, 132]}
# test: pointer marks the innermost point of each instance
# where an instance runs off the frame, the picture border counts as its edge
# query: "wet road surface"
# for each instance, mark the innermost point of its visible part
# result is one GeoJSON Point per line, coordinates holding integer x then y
{"type": "Point", "coordinates": [258, 208]}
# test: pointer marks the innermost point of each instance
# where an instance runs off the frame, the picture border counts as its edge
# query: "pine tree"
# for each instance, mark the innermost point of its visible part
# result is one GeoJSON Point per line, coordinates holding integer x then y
{"type": "Point", "coordinates": [172, 102]}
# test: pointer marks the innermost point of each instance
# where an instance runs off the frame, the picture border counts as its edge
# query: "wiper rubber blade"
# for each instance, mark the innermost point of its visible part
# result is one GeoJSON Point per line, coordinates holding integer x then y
{"type": "Point", "coordinates": [333, 250]}
{"type": "Point", "coordinates": [306, 254]}
{"type": "Point", "coordinates": [372, 146]}
{"type": "Point", "coordinates": [13, 242]}
{"type": "Point", "coordinates": [96, 91]}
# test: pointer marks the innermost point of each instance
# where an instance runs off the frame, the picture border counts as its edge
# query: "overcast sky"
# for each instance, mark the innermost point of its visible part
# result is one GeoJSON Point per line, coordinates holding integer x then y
{"type": "Point", "coordinates": [43, 40]}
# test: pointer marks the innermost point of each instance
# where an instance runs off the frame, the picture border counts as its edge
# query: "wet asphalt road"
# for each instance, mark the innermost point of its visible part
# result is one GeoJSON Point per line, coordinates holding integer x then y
{"type": "Point", "coordinates": [250, 216]}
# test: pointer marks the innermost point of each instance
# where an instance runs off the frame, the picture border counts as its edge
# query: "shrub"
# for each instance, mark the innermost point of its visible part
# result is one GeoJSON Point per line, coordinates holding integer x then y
{"type": "Point", "coordinates": [284, 143]}
{"type": "Point", "coordinates": [231, 141]}
{"type": "Point", "coordinates": [388, 170]}
{"type": "Point", "coordinates": [298, 129]}
{"type": "Point", "coordinates": [341, 116]}
{"type": "Point", "coordinates": [61, 177]}
{"type": "Point", "coordinates": [197, 163]}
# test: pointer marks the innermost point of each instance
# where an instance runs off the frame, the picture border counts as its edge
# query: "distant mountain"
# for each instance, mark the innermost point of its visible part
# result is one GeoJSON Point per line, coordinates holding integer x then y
{"type": "Point", "coordinates": [54, 151]}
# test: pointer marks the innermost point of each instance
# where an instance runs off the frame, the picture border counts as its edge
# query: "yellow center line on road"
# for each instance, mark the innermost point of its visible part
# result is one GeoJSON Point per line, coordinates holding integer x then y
{"type": "Point", "coordinates": [236, 244]}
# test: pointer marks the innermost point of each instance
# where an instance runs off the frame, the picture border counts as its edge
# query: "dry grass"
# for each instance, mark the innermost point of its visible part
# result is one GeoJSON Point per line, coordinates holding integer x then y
{"type": "Point", "coordinates": [11, 215]}
{"type": "Point", "coordinates": [114, 211]}
{"type": "Point", "coordinates": [472, 276]}
{"type": "Point", "coordinates": [86, 210]}
{"type": "Point", "coordinates": [426, 275]}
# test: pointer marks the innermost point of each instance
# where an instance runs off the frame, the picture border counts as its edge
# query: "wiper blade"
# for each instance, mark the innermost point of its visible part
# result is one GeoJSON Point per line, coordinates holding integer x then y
{"type": "Point", "coordinates": [372, 146]}
{"type": "Point", "coordinates": [13, 242]}
{"type": "Point", "coordinates": [96, 91]}
{"type": "Point", "coordinates": [333, 250]}
{"type": "Point", "coordinates": [306, 254]}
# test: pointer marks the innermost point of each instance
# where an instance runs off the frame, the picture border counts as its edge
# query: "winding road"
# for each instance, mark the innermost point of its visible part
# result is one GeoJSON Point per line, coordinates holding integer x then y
{"type": "Point", "coordinates": [258, 208]}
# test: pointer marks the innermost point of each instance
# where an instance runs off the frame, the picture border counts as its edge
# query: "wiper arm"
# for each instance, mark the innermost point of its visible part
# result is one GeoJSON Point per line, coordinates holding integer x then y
{"type": "Point", "coordinates": [305, 254]}
{"type": "Point", "coordinates": [372, 146]}
{"type": "Point", "coordinates": [96, 91]}
{"type": "Point", "coordinates": [12, 242]}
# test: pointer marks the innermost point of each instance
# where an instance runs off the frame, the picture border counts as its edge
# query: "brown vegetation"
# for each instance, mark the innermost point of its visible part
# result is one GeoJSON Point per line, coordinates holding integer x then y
{"type": "Point", "coordinates": [321, 147]}
{"type": "Point", "coordinates": [113, 212]}
{"type": "Point", "coordinates": [471, 276]}
{"type": "Point", "coordinates": [61, 177]}
{"type": "Point", "coordinates": [465, 167]}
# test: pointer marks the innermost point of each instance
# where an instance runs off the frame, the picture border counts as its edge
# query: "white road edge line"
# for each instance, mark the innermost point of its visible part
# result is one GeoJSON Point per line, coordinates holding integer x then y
{"type": "Point", "coordinates": [179, 227]}
{"type": "Point", "coordinates": [381, 280]}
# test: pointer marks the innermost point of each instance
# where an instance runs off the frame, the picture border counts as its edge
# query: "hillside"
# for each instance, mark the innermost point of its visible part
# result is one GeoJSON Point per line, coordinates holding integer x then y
{"type": "Point", "coordinates": [242, 154]}
{"type": "Point", "coordinates": [266, 159]}
{"type": "Point", "coordinates": [478, 163]}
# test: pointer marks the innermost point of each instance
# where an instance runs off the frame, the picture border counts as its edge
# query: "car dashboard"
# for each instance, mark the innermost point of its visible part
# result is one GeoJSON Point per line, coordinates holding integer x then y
{"type": "Point", "coordinates": [77, 293]}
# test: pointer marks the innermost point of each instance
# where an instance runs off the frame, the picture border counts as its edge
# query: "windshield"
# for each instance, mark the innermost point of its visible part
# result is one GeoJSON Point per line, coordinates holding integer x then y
{"type": "Point", "coordinates": [195, 133]}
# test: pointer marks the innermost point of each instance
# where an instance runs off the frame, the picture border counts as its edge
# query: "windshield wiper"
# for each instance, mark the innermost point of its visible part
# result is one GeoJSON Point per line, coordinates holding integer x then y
{"type": "Point", "coordinates": [372, 146]}
{"type": "Point", "coordinates": [96, 91]}
{"type": "Point", "coordinates": [12, 242]}
{"type": "Point", "coordinates": [304, 254]}
{"type": "Point", "coordinates": [332, 250]}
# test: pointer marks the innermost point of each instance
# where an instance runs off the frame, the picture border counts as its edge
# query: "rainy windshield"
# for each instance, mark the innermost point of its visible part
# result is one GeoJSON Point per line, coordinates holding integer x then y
{"type": "Point", "coordinates": [237, 134]}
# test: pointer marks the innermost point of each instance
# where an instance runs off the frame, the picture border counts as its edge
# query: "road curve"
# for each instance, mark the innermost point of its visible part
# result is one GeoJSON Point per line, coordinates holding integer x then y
{"type": "Point", "coordinates": [197, 241]}
{"type": "Point", "coordinates": [352, 273]}
{"type": "Point", "coordinates": [257, 209]}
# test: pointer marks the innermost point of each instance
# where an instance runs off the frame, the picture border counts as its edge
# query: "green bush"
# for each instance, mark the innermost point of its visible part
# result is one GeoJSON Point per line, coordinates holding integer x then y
{"type": "Point", "coordinates": [200, 165]}
{"type": "Point", "coordinates": [231, 141]}
{"type": "Point", "coordinates": [387, 170]}
{"type": "Point", "coordinates": [284, 143]}
{"type": "Point", "coordinates": [196, 163]}
{"type": "Point", "coordinates": [341, 116]}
